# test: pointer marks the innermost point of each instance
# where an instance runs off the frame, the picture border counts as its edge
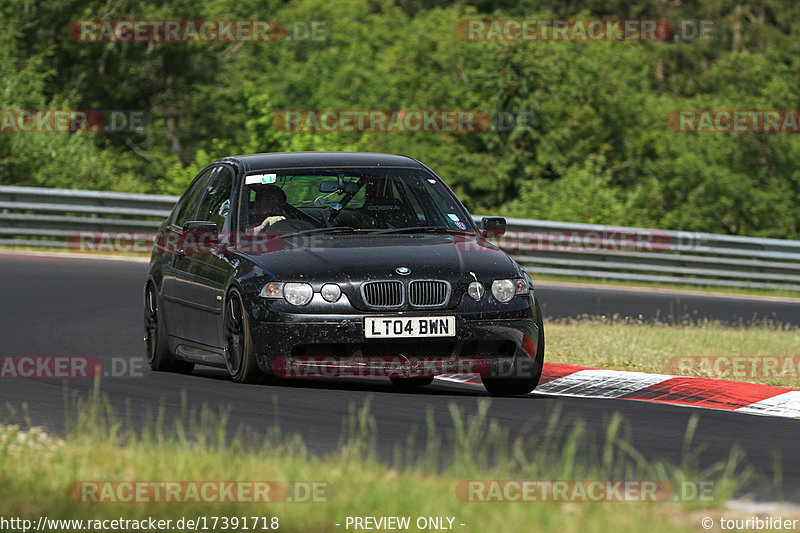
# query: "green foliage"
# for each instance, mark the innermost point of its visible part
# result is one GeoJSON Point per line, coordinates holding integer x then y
{"type": "Point", "coordinates": [593, 145]}
{"type": "Point", "coordinates": [583, 194]}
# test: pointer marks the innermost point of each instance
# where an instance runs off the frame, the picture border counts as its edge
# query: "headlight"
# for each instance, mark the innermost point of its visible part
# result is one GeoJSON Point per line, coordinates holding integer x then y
{"type": "Point", "coordinates": [505, 289]}
{"type": "Point", "coordinates": [476, 290]}
{"type": "Point", "coordinates": [272, 290]}
{"type": "Point", "coordinates": [298, 293]}
{"type": "Point", "coordinates": [330, 292]}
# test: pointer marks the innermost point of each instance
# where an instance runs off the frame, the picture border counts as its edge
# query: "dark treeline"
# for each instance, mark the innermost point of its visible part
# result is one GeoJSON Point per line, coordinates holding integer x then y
{"type": "Point", "coordinates": [591, 143]}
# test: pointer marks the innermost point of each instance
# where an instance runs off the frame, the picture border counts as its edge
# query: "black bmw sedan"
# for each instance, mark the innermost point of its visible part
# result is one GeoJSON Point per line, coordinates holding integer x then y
{"type": "Point", "coordinates": [353, 263]}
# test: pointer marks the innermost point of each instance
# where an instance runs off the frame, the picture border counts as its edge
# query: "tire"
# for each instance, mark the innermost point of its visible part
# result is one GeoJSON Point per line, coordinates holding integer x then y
{"type": "Point", "coordinates": [411, 383]}
{"type": "Point", "coordinates": [239, 356]}
{"type": "Point", "coordinates": [159, 356]}
{"type": "Point", "coordinates": [520, 386]}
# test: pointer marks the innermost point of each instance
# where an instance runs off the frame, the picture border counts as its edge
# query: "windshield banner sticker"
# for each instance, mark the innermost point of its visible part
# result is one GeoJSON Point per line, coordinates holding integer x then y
{"type": "Point", "coordinates": [260, 178]}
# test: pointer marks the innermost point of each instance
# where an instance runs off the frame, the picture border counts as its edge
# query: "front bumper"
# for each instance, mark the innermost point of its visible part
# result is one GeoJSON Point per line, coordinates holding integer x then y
{"type": "Point", "coordinates": [499, 337]}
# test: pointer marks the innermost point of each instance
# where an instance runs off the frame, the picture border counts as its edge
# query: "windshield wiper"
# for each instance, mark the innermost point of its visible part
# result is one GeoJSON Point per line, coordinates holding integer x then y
{"type": "Point", "coordinates": [419, 229]}
{"type": "Point", "coordinates": [350, 229]}
{"type": "Point", "coordinates": [334, 229]}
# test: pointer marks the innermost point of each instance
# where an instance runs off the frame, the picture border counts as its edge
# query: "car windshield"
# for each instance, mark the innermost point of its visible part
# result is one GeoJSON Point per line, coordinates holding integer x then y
{"type": "Point", "coordinates": [364, 199]}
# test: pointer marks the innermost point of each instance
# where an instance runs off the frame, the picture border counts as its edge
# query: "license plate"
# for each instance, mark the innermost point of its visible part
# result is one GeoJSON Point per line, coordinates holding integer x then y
{"type": "Point", "coordinates": [407, 327]}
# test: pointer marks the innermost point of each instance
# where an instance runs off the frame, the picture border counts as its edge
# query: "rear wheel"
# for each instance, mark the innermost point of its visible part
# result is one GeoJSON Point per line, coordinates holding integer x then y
{"type": "Point", "coordinates": [239, 356]}
{"type": "Point", "coordinates": [411, 383]}
{"type": "Point", "coordinates": [518, 386]}
{"type": "Point", "coordinates": [159, 356]}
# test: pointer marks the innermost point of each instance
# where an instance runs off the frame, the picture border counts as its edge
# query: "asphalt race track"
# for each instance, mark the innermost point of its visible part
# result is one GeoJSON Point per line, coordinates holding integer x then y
{"type": "Point", "coordinates": [89, 307]}
{"type": "Point", "coordinates": [570, 301]}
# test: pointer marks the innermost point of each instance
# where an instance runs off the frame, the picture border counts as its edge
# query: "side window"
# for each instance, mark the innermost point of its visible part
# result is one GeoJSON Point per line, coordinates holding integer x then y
{"type": "Point", "coordinates": [188, 202]}
{"type": "Point", "coordinates": [216, 203]}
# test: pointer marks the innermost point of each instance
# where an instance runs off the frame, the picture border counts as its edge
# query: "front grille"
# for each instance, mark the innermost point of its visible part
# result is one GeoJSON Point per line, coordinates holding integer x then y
{"type": "Point", "coordinates": [383, 294]}
{"type": "Point", "coordinates": [428, 293]}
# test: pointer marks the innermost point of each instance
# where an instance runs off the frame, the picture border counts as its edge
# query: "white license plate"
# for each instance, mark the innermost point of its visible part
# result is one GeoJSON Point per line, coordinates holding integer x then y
{"type": "Point", "coordinates": [413, 326]}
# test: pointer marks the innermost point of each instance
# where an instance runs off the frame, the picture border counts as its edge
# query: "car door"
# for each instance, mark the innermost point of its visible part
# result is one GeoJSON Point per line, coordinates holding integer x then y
{"type": "Point", "coordinates": [205, 269]}
{"type": "Point", "coordinates": [176, 292]}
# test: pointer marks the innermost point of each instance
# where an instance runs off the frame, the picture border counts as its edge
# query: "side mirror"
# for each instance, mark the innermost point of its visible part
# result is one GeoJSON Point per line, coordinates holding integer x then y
{"type": "Point", "coordinates": [199, 236]}
{"type": "Point", "coordinates": [493, 227]}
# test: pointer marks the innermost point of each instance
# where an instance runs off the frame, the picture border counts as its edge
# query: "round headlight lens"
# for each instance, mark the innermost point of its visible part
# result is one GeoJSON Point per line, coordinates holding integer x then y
{"type": "Point", "coordinates": [504, 290]}
{"type": "Point", "coordinates": [476, 290]}
{"type": "Point", "coordinates": [298, 293]}
{"type": "Point", "coordinates": [331, 292]}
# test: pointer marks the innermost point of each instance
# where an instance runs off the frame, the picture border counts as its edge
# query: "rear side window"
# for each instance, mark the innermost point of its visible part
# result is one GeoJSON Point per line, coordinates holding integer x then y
{"type": "Point", "coordinates": [216, 204]}
{"type": "Point", "coordinates": [188, 202]}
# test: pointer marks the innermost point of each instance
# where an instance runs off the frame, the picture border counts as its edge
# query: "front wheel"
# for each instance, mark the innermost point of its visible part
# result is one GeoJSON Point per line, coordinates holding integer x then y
{"type": "Point", "coordinates": [159, 356]}
{"type": "Point", "coordinates": [239, 356]}
{"type": "Point", "coordinates": [519, 386]}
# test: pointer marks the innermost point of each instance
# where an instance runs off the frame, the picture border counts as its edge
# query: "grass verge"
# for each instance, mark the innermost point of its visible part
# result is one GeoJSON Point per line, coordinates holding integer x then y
{"type": "Point", "coordinates": [766, 353]}
{"type": "Point", "coordinates": [37, 471]}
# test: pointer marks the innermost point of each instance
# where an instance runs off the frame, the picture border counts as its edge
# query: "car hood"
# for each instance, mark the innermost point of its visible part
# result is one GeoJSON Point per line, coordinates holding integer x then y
{"type": "Point", "coordinates": [348, 257]}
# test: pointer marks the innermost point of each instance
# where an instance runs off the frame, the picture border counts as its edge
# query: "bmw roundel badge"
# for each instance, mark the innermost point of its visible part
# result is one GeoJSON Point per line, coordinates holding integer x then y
{"type": "Point", "coordinates": [403, 271]}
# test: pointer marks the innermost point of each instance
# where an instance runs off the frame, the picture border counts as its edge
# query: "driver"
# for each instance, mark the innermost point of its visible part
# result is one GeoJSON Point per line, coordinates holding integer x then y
{"type": "Point", "coordinates": [269, 207]}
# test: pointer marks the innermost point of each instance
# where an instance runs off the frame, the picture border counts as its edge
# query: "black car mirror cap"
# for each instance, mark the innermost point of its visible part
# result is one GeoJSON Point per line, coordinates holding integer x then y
{"type": "Point", "coordinates": [204, 235]}
{"type": "Point", "coordinates": [493, 227]}
{"type": "Point", "coordinates": [200, 225]}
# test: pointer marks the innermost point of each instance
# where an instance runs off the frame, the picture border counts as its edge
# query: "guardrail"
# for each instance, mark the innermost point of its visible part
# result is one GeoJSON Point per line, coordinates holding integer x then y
{"type": "Point", "coordinates": [31, 216]}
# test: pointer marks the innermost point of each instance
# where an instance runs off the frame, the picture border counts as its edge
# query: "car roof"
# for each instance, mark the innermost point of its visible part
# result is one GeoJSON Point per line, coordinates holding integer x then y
{"type": "Point", "coordinates": [322, 159]}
